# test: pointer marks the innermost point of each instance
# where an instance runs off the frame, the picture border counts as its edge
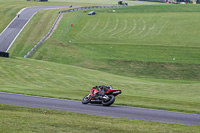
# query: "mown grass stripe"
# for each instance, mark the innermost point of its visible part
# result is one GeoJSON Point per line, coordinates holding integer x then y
{"type": "Point", "coordinates": [102, 31]}
{"type": "Point", "coordinates": [132, 29]}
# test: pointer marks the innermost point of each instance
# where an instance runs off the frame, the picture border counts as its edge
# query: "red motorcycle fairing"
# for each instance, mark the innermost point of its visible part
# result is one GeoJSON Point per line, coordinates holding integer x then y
{"type": "Point", "coordinates": [115, 92]}
{"type": "Point", "coordinates": [93, 92]}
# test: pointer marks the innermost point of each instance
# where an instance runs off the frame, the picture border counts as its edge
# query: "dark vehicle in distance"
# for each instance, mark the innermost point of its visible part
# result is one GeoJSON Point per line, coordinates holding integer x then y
{"type": "Point", "coordinates": [92, 13]}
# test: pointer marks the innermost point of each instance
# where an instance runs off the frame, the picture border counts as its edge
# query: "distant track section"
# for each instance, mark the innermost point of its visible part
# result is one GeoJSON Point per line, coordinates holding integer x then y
{"type": "Point", "coordinates": [114, 110]}
{"type": "Point", "coordinates": [11, 32]}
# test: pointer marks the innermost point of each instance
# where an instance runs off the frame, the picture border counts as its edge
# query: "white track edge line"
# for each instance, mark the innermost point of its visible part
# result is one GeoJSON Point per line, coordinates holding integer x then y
{"type": "Point", "coordinates": [8, 25]}
{"type": "Point", "coordinates": [11, 22]}
{"type": "Point", "coordinates": [20, 32]}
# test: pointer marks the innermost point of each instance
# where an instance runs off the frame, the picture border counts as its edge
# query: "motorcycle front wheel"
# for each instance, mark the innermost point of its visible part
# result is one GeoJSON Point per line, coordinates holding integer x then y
{"type": "Point", "coordinates": [86, 100]}
{"type": "Point", "coordinates": [108, 102]}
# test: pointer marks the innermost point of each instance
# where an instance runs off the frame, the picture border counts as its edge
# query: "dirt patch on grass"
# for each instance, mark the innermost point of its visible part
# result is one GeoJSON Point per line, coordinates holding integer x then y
{"type": "Point", "coordinates": [56, 25]}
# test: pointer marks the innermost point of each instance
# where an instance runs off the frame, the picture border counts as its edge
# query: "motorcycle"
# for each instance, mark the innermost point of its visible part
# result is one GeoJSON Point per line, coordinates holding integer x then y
{"type": "Point", "coordinates": [105, 98]}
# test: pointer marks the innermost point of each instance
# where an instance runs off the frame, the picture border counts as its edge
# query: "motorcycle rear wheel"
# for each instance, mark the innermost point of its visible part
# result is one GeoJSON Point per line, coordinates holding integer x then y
{"type": "Point", "coordinates": [86, 100]}
{"type": "Point", "coordinates": [110, 101]}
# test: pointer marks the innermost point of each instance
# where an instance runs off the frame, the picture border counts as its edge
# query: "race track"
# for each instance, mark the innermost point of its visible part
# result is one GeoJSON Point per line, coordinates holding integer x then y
{"type": "Point", "coordinates": [99, 110]}
{"type": "Point", "coordinates": [9, 35]}
{"type": "Point", "coordinates": [11, 32]}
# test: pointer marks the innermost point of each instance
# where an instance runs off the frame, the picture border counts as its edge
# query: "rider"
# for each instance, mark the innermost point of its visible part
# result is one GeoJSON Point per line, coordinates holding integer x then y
{"type": "Point", "coordinates": [103, 88]}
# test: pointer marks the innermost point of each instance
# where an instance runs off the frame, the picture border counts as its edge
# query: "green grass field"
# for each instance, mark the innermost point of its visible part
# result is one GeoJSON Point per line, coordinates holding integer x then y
{"type": "Point", "coordinates": [20, 119]}
{"type": "Point", "coordinates": [150, 52]}
{"type": "Point", "coordinates": [142, 44]}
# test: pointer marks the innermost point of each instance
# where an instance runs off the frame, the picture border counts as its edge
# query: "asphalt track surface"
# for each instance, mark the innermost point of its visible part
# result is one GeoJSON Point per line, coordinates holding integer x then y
{"type": "Point", "coordinates": [11, 32]}
{"type": "Point", "coordinates": [99, 110]}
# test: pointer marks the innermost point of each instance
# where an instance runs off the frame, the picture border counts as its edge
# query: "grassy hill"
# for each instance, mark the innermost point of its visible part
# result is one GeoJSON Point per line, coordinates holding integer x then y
{"type": "Point", "coordinates": [150, 52]}
{"type": "Point", "coordinates": [158, 42]}
{"type": "Point", "coordinates": [132, 49]}
{"type": "Point", "coordinates": [41, 78]}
